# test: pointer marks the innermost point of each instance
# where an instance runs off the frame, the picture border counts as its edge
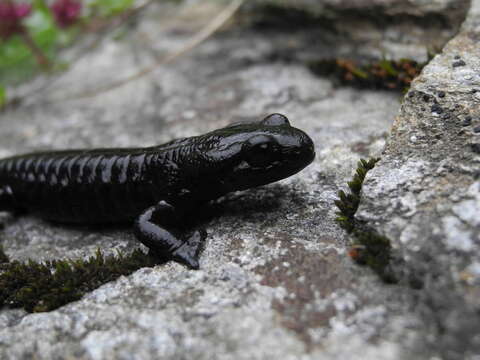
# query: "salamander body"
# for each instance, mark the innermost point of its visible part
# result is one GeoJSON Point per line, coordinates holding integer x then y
{"type": "Point", "coordinates": [158, 187]}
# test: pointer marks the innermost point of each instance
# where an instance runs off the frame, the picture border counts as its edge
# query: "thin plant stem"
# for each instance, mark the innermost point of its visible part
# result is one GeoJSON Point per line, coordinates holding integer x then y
{"type": "Point", "coordinates": [41, 58]}
{"type": "Point", "coordinates": [201, 36]}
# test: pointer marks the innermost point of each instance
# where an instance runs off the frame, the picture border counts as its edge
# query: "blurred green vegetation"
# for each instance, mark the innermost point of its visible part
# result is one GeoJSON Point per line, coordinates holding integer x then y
{"type": "Point", "coordinates": [106, 8]}
{"type": "Point", "coordinates": [25, 54]}
{"type": "Point", "coordinates": [17, 61]}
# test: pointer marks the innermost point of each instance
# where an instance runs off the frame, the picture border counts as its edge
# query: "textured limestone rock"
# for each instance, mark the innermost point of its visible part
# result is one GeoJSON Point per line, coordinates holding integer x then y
{"type": "Point", "coordinates": [425, 192]}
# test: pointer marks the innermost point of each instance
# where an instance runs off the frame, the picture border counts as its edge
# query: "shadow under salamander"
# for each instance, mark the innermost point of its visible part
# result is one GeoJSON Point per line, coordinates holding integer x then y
{"type": "Point", "coordinates": [246, 205]}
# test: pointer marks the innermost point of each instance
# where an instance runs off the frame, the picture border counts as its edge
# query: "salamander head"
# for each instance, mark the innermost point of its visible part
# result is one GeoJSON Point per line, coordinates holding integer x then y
{"type": "Point", "coordinates": [256, 154]}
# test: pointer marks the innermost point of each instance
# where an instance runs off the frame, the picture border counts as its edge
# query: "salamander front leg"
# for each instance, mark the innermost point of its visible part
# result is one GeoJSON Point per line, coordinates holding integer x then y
{"type": "Point", "coordinates": [158, 228]}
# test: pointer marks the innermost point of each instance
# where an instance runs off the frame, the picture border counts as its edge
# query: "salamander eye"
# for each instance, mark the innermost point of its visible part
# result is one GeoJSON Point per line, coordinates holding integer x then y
{"type": "Point", "coordinates": [275, 120]}
{"type": "Point", "coordinates": [261, 151]}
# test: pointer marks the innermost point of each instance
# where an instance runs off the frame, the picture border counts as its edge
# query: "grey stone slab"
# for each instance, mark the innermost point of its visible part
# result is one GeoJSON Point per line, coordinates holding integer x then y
{"type": "Point", "coordinates": [366, 28]}
{"type": "Point", "coordinates": [275, 281]}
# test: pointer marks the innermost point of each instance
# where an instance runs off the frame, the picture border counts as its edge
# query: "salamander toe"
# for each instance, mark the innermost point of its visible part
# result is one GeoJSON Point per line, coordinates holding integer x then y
{"type": "Point", "coordinates": [185, 254]}
{"type": "Point", "coordinates": [189, 251]}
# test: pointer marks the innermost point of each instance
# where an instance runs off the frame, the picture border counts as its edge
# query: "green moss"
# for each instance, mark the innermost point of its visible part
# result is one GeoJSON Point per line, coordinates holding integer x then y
{"type": "Point", "coordinates": [368, 246]}
{"type": "Point", "coordinates": [38, 287]}
{"type": "Point", "coordinates": [348, 202]}
{"type": "Point", "coordinates": [384, 74]}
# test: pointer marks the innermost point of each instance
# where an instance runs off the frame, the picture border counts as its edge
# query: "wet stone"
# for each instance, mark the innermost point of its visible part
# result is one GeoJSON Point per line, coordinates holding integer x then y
{"type": "Point", "coordinates": [427, 98]}
{"type": "Point", "coordinates": [437, 109]}
{"type": "Point", "coordinates": [458, 63]}
{"type": "Point", "coordinates": [467, 121]}
{"type": "Point", "coordinates": [475, 148]}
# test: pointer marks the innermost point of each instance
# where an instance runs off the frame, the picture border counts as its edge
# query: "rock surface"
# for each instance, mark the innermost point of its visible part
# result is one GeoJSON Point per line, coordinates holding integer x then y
{"type": "Point", "coordinates": [367, 28]}
{"type": "Point", "coordinates": [275, 281]}
{"type": "Point", "coordinates": [425, 193]}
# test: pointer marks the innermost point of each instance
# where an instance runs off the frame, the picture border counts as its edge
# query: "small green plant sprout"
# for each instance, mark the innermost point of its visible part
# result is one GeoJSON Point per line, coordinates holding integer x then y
{"type": "Point", "coordinates": [348, 203]}
{"type": "Point", "coordinates": [44, 286]}
{"type": "Point", "coordinates": [368, 246]}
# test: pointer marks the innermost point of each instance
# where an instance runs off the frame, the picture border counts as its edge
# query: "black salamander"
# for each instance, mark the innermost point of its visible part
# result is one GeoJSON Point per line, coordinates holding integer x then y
{"type": "Point", "coordinates": [157, 188]}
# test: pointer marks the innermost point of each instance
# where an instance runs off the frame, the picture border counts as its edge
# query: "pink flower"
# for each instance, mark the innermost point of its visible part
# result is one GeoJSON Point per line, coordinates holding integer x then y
{"type": "Point", "coordinates": [11, 16]}
{"type": "Point", "coordinates": [66, 12]}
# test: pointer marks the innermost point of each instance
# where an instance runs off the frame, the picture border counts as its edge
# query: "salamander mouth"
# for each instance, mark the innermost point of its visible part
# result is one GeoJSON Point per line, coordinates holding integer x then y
{"type": "Point", "coordinates": [246, 175]}
{"type": "Point", "coordinates": [245, 166]}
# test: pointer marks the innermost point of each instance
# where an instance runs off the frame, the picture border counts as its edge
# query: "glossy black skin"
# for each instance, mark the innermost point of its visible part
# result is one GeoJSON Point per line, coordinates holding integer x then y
{"type": "Point", "coordinates": [157, 187]}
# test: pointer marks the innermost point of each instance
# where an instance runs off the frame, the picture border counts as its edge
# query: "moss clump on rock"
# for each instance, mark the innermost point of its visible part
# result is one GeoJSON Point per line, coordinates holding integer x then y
{"type": "Point", "coordinates": [384, 74]}
{"type": "Point", "coordinates": [349, 202]}
{"type": "Point", "coordinates": [44, 286]}
{"type": "Point", "coordinates": [369, 247]}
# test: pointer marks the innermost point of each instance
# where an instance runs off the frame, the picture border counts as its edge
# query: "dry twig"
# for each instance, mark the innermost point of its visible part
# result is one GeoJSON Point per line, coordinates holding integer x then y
{"type": "Point", "coordinates": [200, 37]}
